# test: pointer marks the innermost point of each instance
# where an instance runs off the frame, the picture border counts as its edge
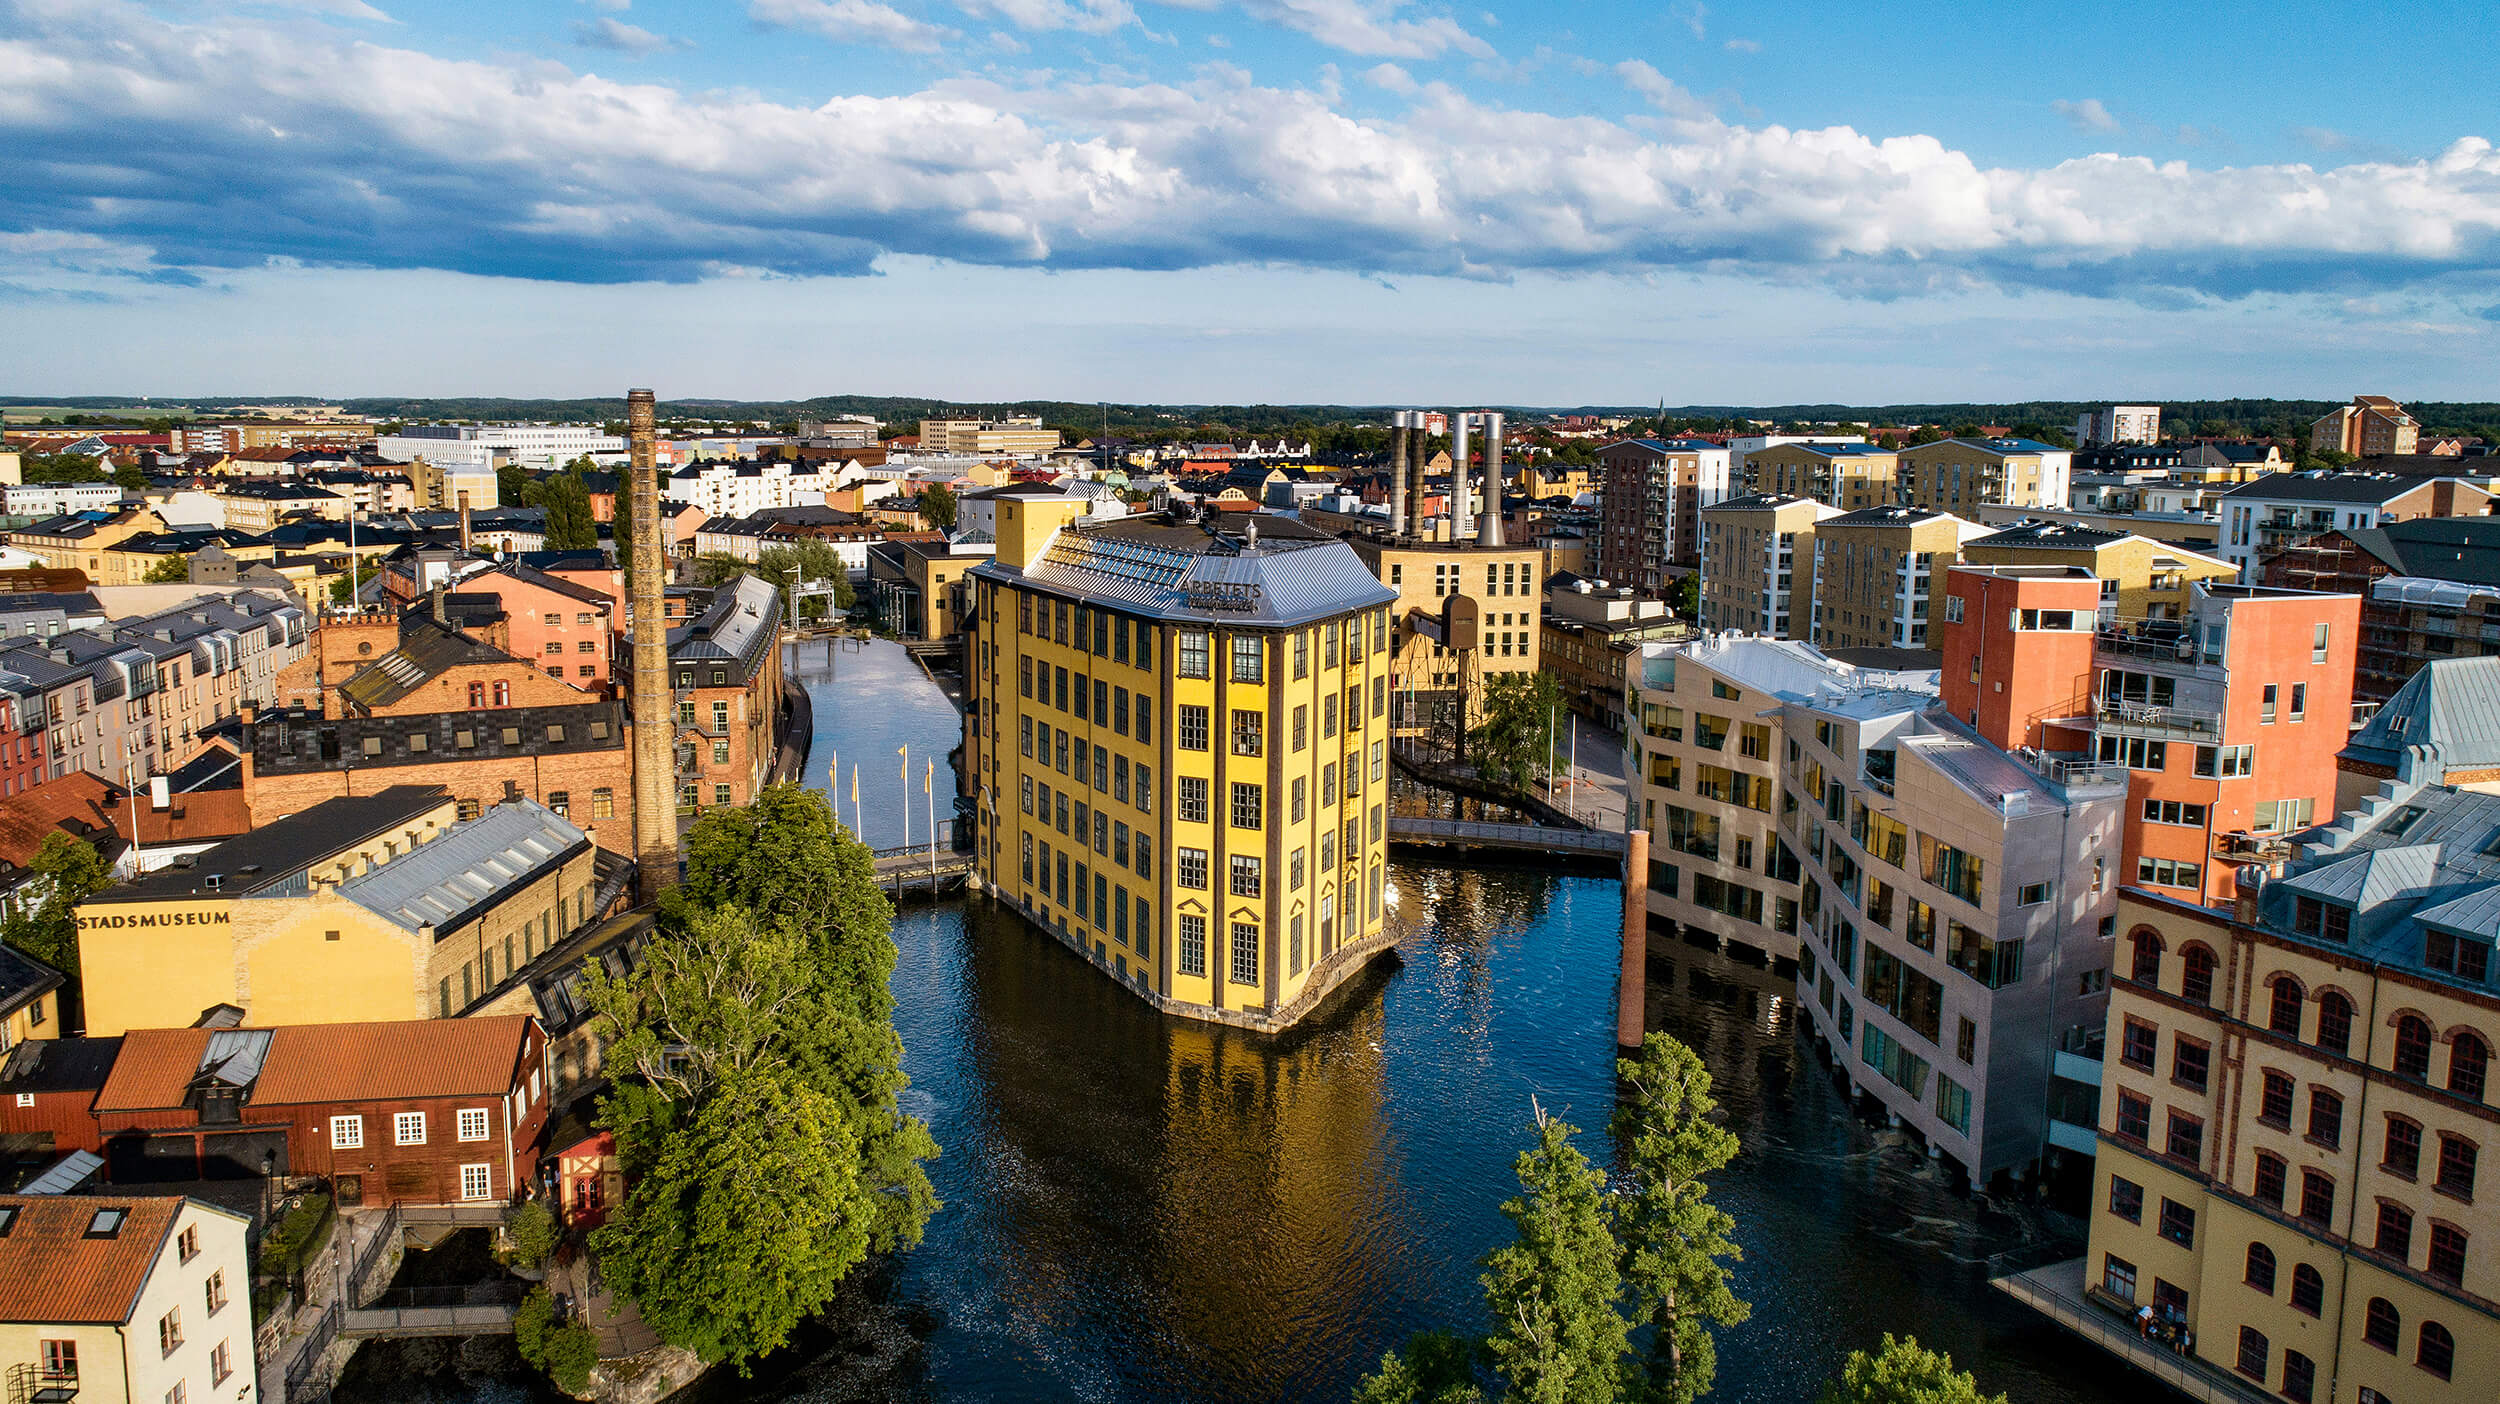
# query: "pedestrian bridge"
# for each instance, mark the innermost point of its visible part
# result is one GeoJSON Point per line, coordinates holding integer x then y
{"type": "Point", "coordinates": [1528, 838]}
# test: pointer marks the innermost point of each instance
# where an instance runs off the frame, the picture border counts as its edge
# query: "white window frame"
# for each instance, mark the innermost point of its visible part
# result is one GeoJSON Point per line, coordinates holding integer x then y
{"type": "Point", "coordinates": [403, 1124]}
{"type": "Point", "coordinates": [479, 1178]}
{"type": "Point", "coordinates": [347, 1133]}
{"type": "Point", "coordinates": [475, 1124]}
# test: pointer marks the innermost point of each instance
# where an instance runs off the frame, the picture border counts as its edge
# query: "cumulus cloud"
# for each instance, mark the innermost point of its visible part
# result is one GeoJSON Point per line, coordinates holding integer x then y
{"type": "Point", "coordinates": [1370, 27]}
{"type": "Point", "coordinates": [145, 138]}
{"type": "Point", "coordinates": [1743, 46]}
{"type": "Point", "coordinates": [1084, 16]}
{"type": "Point", "coordinates": [2085, 116]}
{"type": "Point", "coordinates": [616, 36]}
{"type": "Point", "coordinates": [851, 22]}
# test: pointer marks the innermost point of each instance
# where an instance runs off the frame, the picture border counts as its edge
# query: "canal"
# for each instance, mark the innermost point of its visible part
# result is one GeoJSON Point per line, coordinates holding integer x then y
{"type": "Point", "coordinates": [1145, 1208]}
{"type": "Point", "coordinates": [1141, 1208]}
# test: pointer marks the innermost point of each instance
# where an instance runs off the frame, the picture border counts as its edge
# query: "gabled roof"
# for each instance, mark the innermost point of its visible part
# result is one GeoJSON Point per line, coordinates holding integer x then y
{"type": "Point", "coordinates": [470, 867]}
{"type": "Point", "coordinates": [325, 1064]}
{"type": "Point", "coordinates": [2463, 549]}
{"type": "Point", "coordinates": [23, 980]}
{"type": "Point", "coordinates": [2368, 878]}
{"type": "Point", "coordinates": [2450, 706]}
{"type": "Point", "coordinates": [424, 654]}
{"type": "Point", "coordinates": [55, 1268]}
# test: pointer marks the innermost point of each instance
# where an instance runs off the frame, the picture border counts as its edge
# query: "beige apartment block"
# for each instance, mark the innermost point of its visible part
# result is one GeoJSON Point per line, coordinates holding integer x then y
{"type": "Point", "coordinates": [1957, 475]}
{"type": "Point", "coordinates": [1464, 614]}
{"type": "Point", "coordinates": [1758, 563]}
{"type": "Point", "coordinates": [1873, 570]}
{"type": "Point", "coordinates": [1841, 476]}
{"type": "Point", "coordinates": [2140, 578]}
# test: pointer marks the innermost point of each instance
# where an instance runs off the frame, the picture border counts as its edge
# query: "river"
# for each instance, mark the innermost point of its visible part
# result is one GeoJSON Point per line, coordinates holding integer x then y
{"type": "Point", "coordinates": [1142, 1208]}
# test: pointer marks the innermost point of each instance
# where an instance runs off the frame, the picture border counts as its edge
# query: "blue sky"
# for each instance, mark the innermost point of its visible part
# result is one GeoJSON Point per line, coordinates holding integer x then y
{"type": "Point", "coordinates": [1236, 200]}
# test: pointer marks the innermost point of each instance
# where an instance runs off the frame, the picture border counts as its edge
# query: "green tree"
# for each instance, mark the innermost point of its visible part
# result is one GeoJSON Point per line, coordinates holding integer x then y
{"type": "Point", "coordinates": [1672, 1237]}
{"type": "Point", "coordinates": [129, 477]}
{"type": "Point", "coordinates": [61, 468]}
{"type": "Point", "coordinates": [346, 583]}
{"type": "Point", "coordinates": [566, 500]}
{"type": "Point", "coordinates": [64, 872]}
{"type": "Point", "coordinates": [1513, 740]}
{"type": "Point", "coordinates": [531, 1232]}
{"type": "Point", "coordinates": [760, 1130]}
{"type": "Point", "coordinates": [1688, 596]}
{"type": "Point", "coordinates": [173, 570]}
{"type": "Point", "coordinates": [1901, 1371]}
{"type": "Point", "coordinates": [1435, 1367]}
{"type": "Point", "coordinates": [938, 505]}
{"type": "Point", "coordinates": [512, 485]}
{"type": "Point", "coordinates": [566, 1351]}
{"type": "Point", "coordinates": [1558, 1333]}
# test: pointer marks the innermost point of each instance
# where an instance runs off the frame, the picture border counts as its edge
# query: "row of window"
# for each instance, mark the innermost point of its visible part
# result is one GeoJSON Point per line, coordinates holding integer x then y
{"type": "Point", "coordinates": [408, 1128]}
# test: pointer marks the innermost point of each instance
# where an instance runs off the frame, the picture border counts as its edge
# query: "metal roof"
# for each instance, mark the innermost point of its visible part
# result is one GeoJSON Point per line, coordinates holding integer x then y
{"type": "Point", "coordinates": [472, 866]}
{"type": "Point", "coordinates": [1257, 570]}
{"type": "Point", "coordinates": [2449, 705]}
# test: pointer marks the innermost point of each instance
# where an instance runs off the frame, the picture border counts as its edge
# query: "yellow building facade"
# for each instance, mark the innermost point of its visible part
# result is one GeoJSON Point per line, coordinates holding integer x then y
{"type": "Point", "coordinates": [1179, 738]}
{"type": "Point", "coordinates": [2294, 1101]}
{"type": "Point", "coordinates": [2140, 578]}
{"type": "Point", "coordinates": [1463, 615]}
{"type": "Point", "coordinates": [1844, 476]}
{"type": "Point", "coordinates": [381, 907]}
{"type": "Point", "coordinates": [1873, 572]}
{"type": "Point", "coordinates": [1959, 475]}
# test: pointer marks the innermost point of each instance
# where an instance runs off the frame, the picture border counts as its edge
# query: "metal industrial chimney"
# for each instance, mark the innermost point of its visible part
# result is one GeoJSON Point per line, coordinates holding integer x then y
{"type": "Point", "coordinates": [1461, 508]}
{"type": "Point", "coordinates": [1490, 532]}
{"type": "Point", "coordinates": [655, 748]}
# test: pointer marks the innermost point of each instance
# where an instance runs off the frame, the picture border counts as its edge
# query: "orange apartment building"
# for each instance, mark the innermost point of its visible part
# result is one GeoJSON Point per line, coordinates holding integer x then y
{"type": "Point", "coordinates": [565, 628]}
{"type": "Point", "coordinates": [2228, 723]}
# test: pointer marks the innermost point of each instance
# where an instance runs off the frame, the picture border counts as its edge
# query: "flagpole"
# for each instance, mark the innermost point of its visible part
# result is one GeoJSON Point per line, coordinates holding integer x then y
{"type": "Point", "coordinates": [856, 831]}
{"type": "Point", "coordinates": [905, 752]}
{"type": "Point", "coordinates": [928, 788]}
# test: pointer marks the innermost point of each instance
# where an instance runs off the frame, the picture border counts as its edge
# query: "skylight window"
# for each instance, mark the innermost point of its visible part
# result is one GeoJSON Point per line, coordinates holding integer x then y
{"type": "Point", "coordinates": [107, 1222]}
{"type": "Point", "coordinates": [2403, 819]}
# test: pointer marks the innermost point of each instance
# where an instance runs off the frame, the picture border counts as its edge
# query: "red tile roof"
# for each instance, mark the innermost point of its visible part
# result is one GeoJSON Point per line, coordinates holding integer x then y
{"type": "Point", "coordinates": [50, 1270]}
{"type": "Point", "coordinates": [89, 807]}
{"type": "Point", "coordinates": [313, 1064]}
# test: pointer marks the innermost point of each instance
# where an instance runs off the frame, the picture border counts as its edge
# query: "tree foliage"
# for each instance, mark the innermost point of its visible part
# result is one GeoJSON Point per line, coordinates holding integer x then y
{"type": "Point", "coordinates": [566, 500]}
{"type": "Point", "coordinates": [1671, 1236]}
{"type": "Point", "coordinates": [1435, 1367]}
{"type": "Point", "coordinates": [173, 570]}
{"type": "Point", "coordinates": [763, 1146]}
{"type": "Point", "coordinates": [1901, 1371]}
{"type": "Point", "coordinates": [346, 583]}
{"type": "Point", "coordinates": [564, 1350]}
{"type": "Point", "coordinates": [65, 872]}
{"type": "Point", "coordinates": [1513, 740]}
{"type": "Point", "coordinates": [938, 505]}
{"type": "Point", "coordinates": [1558, 1334]}
{"type": "Point", "coordinates": [531, 1233]}
{"type": "Point", "coordinates": [62, 468]}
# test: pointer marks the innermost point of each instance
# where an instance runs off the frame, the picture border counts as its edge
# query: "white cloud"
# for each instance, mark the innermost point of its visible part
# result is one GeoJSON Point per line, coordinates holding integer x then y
{"type": "Point", "coordinates": [354, 153]}
{"type": "Point", "coordinates": [851, 22]}
{"type": "Point", "coordinates": [2085, 116]}
{"type": "Point", "coordinates": [1692, 15]}
{"type": "Point", "coordinates": [1388, 77]}
{"type": "Point", "coordinates": [1743, 46]}
{"type": "Point", "coordinates": [619, 5]}
{"type": "Point", "coordinates": [1369, 27]}
{"type": "Point", "coordinates": [607, 32]}
{"type": "Point", "coordinates": [1085, 16]}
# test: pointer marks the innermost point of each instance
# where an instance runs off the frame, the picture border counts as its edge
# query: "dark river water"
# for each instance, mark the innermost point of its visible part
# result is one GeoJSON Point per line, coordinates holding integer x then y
{"type": "Point", "coordinates": [1143, 1208]}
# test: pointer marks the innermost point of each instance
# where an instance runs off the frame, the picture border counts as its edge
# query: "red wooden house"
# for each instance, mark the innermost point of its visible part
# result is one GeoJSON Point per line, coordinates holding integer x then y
{"type": "Point", "coordinates": [432, 1111]}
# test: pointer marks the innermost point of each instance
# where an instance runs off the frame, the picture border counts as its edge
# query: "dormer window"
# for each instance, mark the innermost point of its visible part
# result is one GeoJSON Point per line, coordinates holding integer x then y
{"type": "Point", "coordinates": [2324, 920]}
{"type": "Point", "coordinates": [2465, 957]}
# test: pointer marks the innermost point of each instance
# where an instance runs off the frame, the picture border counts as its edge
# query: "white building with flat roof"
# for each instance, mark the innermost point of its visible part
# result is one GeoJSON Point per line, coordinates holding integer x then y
{"type": "Point", "coordinates": [492, 445]}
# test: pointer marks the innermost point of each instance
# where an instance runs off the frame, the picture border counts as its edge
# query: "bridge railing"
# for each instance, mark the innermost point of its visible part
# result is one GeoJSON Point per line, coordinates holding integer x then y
{"type": "Point", "coordinates": [1538, 836]}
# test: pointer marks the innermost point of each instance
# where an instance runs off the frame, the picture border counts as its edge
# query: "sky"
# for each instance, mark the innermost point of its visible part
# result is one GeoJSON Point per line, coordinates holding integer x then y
{"type": "Point", "coordinates": [1233, 201]}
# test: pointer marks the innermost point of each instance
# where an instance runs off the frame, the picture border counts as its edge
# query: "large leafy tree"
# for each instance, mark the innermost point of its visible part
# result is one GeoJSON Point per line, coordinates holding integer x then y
{"type": "Point", "coordinates": [173, 570]}
{"type": "Point", "coordinates": [1558, 1334]}
{"type": "Point", "coordinates": [65, 872]}
{"type": "Point", "coordinates": [566, 500]}
{"type": "Point", "coordinates": [1671, 1236]}
{"type": "Point", "coordinates": [1513, 740]}
{"type": "Point", "coordinates": [938, 505]}
{"type": "Point", "coordinates": [1901, 1371]}
{"type": "Point", "coordinates": [760, 1130]}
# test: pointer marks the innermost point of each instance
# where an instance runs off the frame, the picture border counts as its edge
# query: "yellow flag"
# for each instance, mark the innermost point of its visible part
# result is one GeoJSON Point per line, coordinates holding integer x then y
{"type": "Point", "coordinates": [928, 779]}
{"type": "Point", "coordinates": [905, 753]}
{"type": "Point", "coordinates": [854, 784]}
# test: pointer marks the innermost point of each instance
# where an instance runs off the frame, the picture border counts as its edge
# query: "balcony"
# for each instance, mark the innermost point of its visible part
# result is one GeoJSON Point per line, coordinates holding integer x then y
{"type": "Point", "coordinates": [2075, 770]}
{"type": "Point", "coordinates": [2166, 721]}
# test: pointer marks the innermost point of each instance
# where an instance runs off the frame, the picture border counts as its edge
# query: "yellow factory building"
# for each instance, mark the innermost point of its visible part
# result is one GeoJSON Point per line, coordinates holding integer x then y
{"type": "Point", "coordinates": [1178, 741]}
{"type": "Point", "coordinates": [372, 907]}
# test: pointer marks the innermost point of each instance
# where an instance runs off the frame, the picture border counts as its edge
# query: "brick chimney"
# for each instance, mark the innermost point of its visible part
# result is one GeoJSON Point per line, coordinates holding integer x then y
{"type": "Point", "coordinates": [655, 749]}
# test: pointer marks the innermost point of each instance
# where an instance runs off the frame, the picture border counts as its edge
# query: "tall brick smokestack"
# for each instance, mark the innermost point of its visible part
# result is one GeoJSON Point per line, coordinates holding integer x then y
{"type": "Point", "coordinates": [655, 749]}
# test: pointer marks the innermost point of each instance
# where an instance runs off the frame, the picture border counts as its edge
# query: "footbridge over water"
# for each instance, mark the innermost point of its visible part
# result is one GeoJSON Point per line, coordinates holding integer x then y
{"type": "Point", "coordinates": [1468, 834]}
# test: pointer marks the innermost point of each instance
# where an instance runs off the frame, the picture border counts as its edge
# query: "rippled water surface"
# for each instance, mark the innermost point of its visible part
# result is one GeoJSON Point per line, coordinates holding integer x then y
{"type": "Point", "coordinates": [1145, 1208]}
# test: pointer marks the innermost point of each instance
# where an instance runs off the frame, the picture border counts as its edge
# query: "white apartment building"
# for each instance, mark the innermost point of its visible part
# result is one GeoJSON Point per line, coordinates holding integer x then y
{"type": "Point", "coordinates": [742, 489]}
{"type": "Point", "coordinates": [41, 500]}
{"type": "Point", "coordinates": [1019, 436]}
{"type": "Point", "coordinates": [2119, 424]}
{"type": "Point", "coordinates": [488, 446]}
{"type": "Point", "coordinates": [126, 1299]}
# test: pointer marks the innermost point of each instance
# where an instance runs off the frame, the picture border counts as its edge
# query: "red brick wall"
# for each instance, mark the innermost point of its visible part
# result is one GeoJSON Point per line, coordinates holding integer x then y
{"type": "Point", "coordinates": [575, 773]}
{"type": "Point", "coordinates": [449, 691]}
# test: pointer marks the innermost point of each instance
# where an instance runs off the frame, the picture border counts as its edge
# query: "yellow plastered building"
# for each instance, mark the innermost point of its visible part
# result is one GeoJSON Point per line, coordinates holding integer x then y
{"type": "Point", "coordinates": [2140, 578]}
{"type": "Point", "coordinates": [1178, 743]}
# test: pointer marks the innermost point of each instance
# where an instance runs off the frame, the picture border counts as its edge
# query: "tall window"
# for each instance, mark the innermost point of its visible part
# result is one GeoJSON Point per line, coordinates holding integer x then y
{"type": "Point", "coordinates": [477, 695]}
{"type": "Point", "coordinates": [2317, 1197]}
{"type": "Point", "coordinates": [2326, 1117]}
{"type": "Point", "coordinates": [2274, 1102]}
{"type": "Point", "coordinates": [2334, 1023]}
{"type": "Point", "coordinates": [2254, 1353]}
{"type": "Point", "coordinates": [2437, 1351]}
{"type": "Point", "coordinates": [2308, 1290]}
{"type": "Point", "coordinates": [1248, 734]}
{"type": "Point", "coordinates": [2260, 1271]}
{"type": "Point", "coordinates": [2145, 968]}
{"type": "Point", "coordinates": [2469, 1065]}
{"type": "Point", "coordinates": [2395, 1231]}
{"type": "Point", "coordinates": [2456, 1166]}
{"type": "Point", "coordinates": [1245, 879]}
{"type": "Point", "coordinates": [1248, 807]}
{"type": "Point", "coordinates": [1245, 953]}
{"type": "Point", "coordinates": [2284, 1015]}
{"type": "Point", "coordinates": [1192, 721]}
{"type": "Point", "coordinates": [2413, 1048]}
{"type": "Point", "coordinates": [1191, 659]}
{"type": "Point", "coordinates": [1189, 868]}
{"type": "Point", "coordinates": [2403, 1155]}
{"type": "Point", "coordinates": [2300, 1377]}
{"type": "Point", "coordinates": [2196, 981]}
{"type": "Point", "coordinates": [2447, 1260]}
{"type": "Point", "coordinates": [2270, 1179]}
{"type": "Point", "coordinates": [503, 694]}
{"type": "Point", "coordinates": [1192, 957]}
{"type": "Point", "coordinates": [1249, 655]}
{"type": "Point", "coordinates": [2381, 1324]}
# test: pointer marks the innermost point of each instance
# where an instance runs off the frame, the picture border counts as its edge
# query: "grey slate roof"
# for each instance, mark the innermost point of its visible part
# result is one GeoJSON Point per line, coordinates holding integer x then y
{"type": "Point", "coordinates": [1215, 572]}
{"type": "Point", "coordinates": [468, 869]}
{"type": "Point", "coordinates": [2424, 853]}
{"type": "Point", "coordinates": [2462, 549]}
{"type": "Point", "coordinates": [2326, 487]}
{"type": "Point", "coordinates": [23, 979]}
{"type": "Point", "coordinates": [2451, 705]}
{"type": "Point", "coordinates": [272, 858]}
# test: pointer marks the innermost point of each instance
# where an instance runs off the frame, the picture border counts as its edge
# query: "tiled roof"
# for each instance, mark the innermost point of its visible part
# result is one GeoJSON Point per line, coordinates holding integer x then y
{"type": "Point", "coordinates": [327, 1064]}
{"type": "Point", "coordinates": [425, 653]}
{"type": "Point", "coordinates": [53, 1270]}
{"type": "Point", "coordinates": [23, 979]}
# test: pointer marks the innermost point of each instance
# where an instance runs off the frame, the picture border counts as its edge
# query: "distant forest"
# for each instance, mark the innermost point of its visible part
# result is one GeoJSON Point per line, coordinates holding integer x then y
{"type": "Point", "coordinates": [1332, 427]}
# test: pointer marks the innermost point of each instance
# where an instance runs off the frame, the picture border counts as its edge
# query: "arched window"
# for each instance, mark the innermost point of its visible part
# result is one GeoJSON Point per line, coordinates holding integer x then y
{"type": "Point", "coordinates": [2469, 1059]}
{"type": "Point", "coordinates": [477, 694]}
{"type": "Point", "coordinates": [2413, 1048]}
{"type": "Point", "coordinates": [2334, 1023]}
{"type": "Point", "coordinates": [2147, 968]}
{"type": "Point", "coordinates": [2284, 1017]}
{"type": "Point", "coordinates": [2381, 1326]}
{"type": "Point", "coordinates": [2308, 1290]}
{"type": "Point", "coordinates": [2438, 1350]}
{"type": "Point", "coordinates": [2260, 1268]}
{"type": "Point", "coordinates": [2198, 981]}
{"type": "Point", "coordinates": [503, 694]}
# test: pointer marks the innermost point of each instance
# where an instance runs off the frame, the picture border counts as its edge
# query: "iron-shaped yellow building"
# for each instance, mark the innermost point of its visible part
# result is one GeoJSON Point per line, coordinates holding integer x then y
{"type": "Point", "coordinates": [1178, 743]}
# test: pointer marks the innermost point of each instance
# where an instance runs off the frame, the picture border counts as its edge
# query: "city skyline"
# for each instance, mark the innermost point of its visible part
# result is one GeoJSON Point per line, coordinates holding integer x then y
{"type": "Point", "coordinates": [1168, 202]}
